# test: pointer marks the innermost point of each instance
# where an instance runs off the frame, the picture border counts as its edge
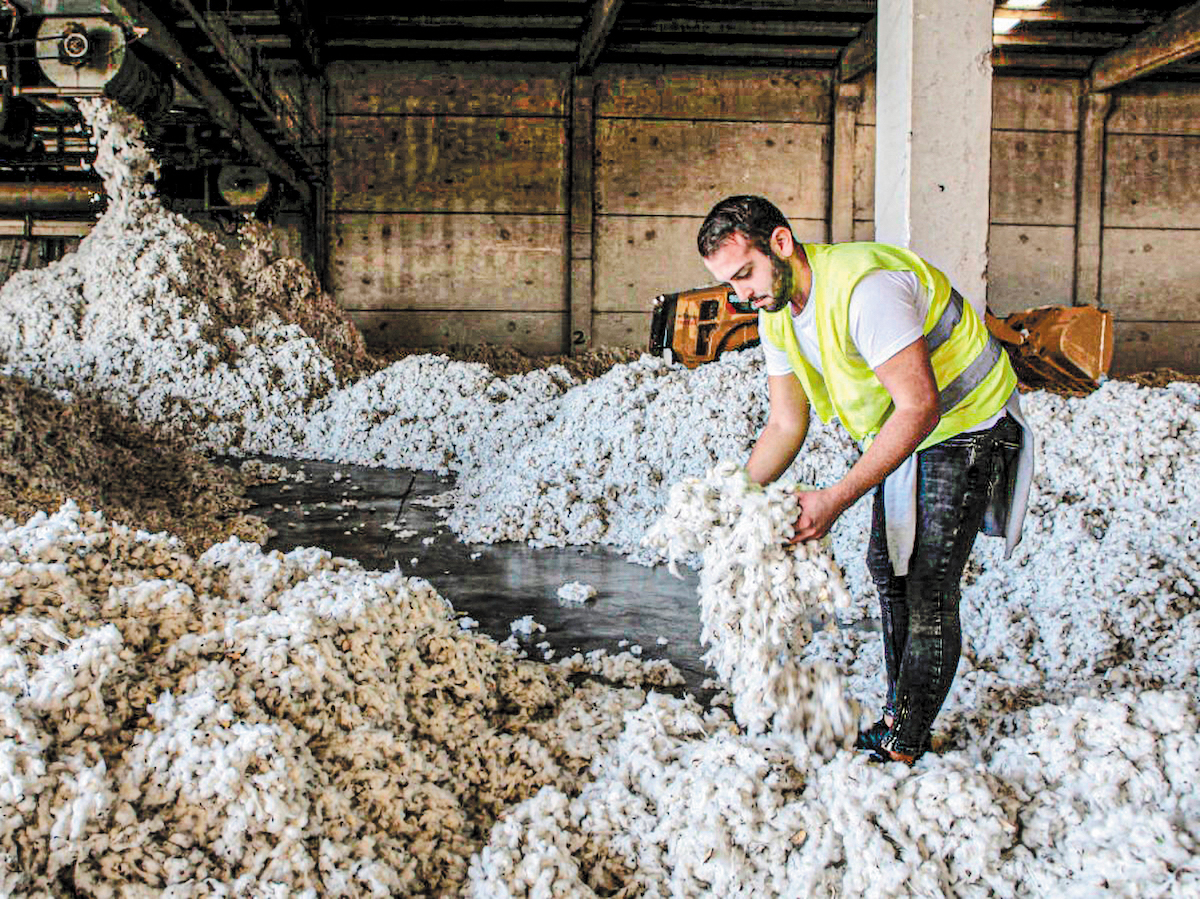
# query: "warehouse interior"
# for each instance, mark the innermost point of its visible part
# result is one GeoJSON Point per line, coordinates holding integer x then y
{"type": "Point", "coordinates": [357, 537]}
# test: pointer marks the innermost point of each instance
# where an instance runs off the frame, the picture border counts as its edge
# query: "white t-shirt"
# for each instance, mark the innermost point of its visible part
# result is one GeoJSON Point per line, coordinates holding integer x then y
{"type": "Point", "coordinates": [887, 313]}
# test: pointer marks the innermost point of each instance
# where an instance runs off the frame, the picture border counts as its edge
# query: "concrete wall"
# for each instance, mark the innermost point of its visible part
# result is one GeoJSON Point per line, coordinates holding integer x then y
{"type": "Point", "coordinates": [1150, 245]}
{"type": "Point", "coordinates": [450, 198]}
{"type": "Point", "coordinates": [668, 147]}
{"type": "Point", "coordinates": [447, 204]}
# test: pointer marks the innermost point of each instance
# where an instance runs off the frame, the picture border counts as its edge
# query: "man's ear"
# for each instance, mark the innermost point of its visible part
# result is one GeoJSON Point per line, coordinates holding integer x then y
{"type": "Point", "coordinates": [781, 242]}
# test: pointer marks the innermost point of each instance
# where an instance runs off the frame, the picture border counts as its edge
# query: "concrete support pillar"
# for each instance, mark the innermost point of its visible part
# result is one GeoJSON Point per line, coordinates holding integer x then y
{"type": "Point", "coordinates": [847, 100]}
{"type": "Point", "coordinates": [1090, 198]}
{"type": "Point", "coordinates": [580, 287]}
{"type": "Point", "coordinates": [933, 134]}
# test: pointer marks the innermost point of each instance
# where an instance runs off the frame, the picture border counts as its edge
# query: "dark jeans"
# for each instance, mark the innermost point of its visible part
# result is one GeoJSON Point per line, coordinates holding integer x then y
{"type": "Point", "coordinates": [922, 639]}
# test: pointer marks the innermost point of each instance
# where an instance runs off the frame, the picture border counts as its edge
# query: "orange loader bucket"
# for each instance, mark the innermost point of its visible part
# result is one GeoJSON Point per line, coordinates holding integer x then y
{"type": "Point", "coordinates": [1065, 347]}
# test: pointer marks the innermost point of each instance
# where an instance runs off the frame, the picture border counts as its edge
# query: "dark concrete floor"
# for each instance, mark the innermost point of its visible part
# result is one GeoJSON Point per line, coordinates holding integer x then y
{"type": "Point", "coordinates": [381, 518]}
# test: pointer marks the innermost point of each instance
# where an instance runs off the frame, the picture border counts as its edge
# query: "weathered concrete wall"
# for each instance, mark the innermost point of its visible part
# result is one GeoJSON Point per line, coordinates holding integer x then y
{"type": "Point", "coordinates": [448, 203]}
{"type": "Point", "coordinates": [450, 199]}
{"type": "Point", "coordinates": [1031, 245]}
{"type": "Point", "coordinates": [1150, 245]}
{"type": "Point", "coordinates": [668, 147]}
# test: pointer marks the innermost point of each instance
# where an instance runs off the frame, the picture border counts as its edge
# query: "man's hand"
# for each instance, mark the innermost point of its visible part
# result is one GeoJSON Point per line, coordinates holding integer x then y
{"type": "Point", "coordinates": [909, 379]}
{"type": "Point", "coordinates": [819, 509]}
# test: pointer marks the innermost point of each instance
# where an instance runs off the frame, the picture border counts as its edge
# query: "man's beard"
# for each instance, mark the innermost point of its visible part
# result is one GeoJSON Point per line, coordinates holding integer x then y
{"type": "Point", "coordinates": [783, 282]}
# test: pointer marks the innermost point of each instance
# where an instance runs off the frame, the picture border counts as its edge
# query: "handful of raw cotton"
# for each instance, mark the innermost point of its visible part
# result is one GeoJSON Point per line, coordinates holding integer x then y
{"type": "Point", "coordinates": [757, 599]}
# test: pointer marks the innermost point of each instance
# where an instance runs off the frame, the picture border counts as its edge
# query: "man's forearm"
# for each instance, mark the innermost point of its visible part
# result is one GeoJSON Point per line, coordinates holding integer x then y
{"type": "Point", "coordinates": [900, 435]}
{"type": "Point", "coordinates": [773, 452]}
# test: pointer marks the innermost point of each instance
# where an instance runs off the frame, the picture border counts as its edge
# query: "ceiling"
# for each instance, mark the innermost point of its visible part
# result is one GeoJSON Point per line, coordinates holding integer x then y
{"type": "Point", "coordinates": [1064, 36]}
{"type": "Point", "coordinates": [230, 57]}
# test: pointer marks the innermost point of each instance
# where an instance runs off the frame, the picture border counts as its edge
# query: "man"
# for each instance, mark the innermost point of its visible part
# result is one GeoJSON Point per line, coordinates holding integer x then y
{"type": "Point", "coordinates": [878, 337]}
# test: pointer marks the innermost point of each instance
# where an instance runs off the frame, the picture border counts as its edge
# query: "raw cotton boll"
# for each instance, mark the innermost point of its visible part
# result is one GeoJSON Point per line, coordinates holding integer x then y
{"type": "Point", "coordinates": [756, 601]}
{"type": "Point", "coordinates": [576, 593]}
{"type": "Point", "coordinates": [153, 609]}
{"type": "Point", "coordinates": [22, 764]}
{"type": "Point", "coordinates": [71, 678]}
{"type": "Point", "coordinates": [525, 626]}
{"type": "Point", "coordinates": [530, 852]}
{"type": "Point", "coordinates": [83, 795]}
{"type": "Point", "coordinates": [587, 722]}
{"type": "Point", "coordinates": [623, 668]}
{"type": "Point", "coordinates": [247, 778]}
{"type": "Point", "coordinates": [244, 569]}
{"type": "Point", "coordinates": [965, 822]}
{"type": "Point", "coordinates": [708, 810]}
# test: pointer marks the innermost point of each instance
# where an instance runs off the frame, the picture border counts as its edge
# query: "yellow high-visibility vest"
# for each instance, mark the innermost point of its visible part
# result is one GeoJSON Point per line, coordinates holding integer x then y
{"type": "Point", "coordinates": [973, 374]}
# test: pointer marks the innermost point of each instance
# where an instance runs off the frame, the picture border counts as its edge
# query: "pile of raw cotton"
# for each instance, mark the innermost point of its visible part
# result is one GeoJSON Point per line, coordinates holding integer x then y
{"type": "Point", "coordinates": [87, 451]}
{"type": "Point", "coordinates": [757, 601]}
{"type": "Point", "coordinates": [252, 723]}
{"type": "Point", "coordinates": [153, 313]}
{"type": "Point", "coordinates": [1091, 792]}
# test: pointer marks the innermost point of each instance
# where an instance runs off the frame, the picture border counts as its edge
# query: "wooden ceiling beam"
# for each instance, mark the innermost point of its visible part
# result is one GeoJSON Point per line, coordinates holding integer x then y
{"type": "Point", "coordinates": [491, 22]}
{"type": "Point", "coordinates": [600, 21]}
{"type": "Point", "coordinates": [1170, 41]}
{"type": "Point", "coordinates": [1082, 15]}
{"type": "Point", "coordinates": [834, 8]}
{"type": "Point", "coordinates": [731, 51]}
{"type": "Point", "coordinates": [1061, 40]}
{"type": "Point", "coordinates": [858, 56]}
{"type": "Point", "coordinates": [1041, 62]}
{"type": "Point", "coordinates": [725, 27]}
{"type": "Point", "coordinates": [556, 46]}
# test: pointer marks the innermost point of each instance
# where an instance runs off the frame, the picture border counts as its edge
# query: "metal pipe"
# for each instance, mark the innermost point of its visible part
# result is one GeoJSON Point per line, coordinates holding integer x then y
{"type": "Point", "coordinates": [43, 91]}
{"type": "Point", "coordinates": [44, 228]}
{"type": "Point", "coordinates": [50, 197]}
{"type": "Point", "coordinates": [76, 146]}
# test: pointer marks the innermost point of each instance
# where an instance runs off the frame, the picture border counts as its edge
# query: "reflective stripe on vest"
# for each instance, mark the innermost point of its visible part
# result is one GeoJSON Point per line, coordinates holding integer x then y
{"type": "Point", "coordinates": [975, 373]}
{"type": "Point", "coordinates": [951, 316]}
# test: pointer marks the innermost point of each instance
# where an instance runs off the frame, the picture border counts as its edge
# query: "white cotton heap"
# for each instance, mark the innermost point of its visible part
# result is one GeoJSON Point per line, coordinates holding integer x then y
{"type": "Point", "coordinates": [264, 722]}
{"type": "Point", "coordinates": [155, 314]}
{"type": "Point", "coordinates": [757, 601]}
{"type": "Point", "coordinates": [685, 804]}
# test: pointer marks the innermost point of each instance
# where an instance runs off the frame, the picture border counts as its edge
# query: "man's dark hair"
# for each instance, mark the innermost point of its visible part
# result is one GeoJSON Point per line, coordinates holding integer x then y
{"type": "Point", "coordinates": [752, 217]}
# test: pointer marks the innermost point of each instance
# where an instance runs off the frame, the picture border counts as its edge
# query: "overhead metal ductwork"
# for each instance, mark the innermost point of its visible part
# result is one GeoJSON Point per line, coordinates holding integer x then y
{"type": "Point", "coordinates": [68, 196]}
{"type": "Point", "coordinates": [89, 55]}
{"type": "Point", "coordinates": [45, 209]}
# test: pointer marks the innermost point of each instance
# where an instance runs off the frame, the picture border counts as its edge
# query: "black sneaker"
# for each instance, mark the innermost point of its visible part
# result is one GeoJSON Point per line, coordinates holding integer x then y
{"type": "Point", "coordinates": [879, 754]}
{"type": "Point", "coordinates": [871, 739]}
